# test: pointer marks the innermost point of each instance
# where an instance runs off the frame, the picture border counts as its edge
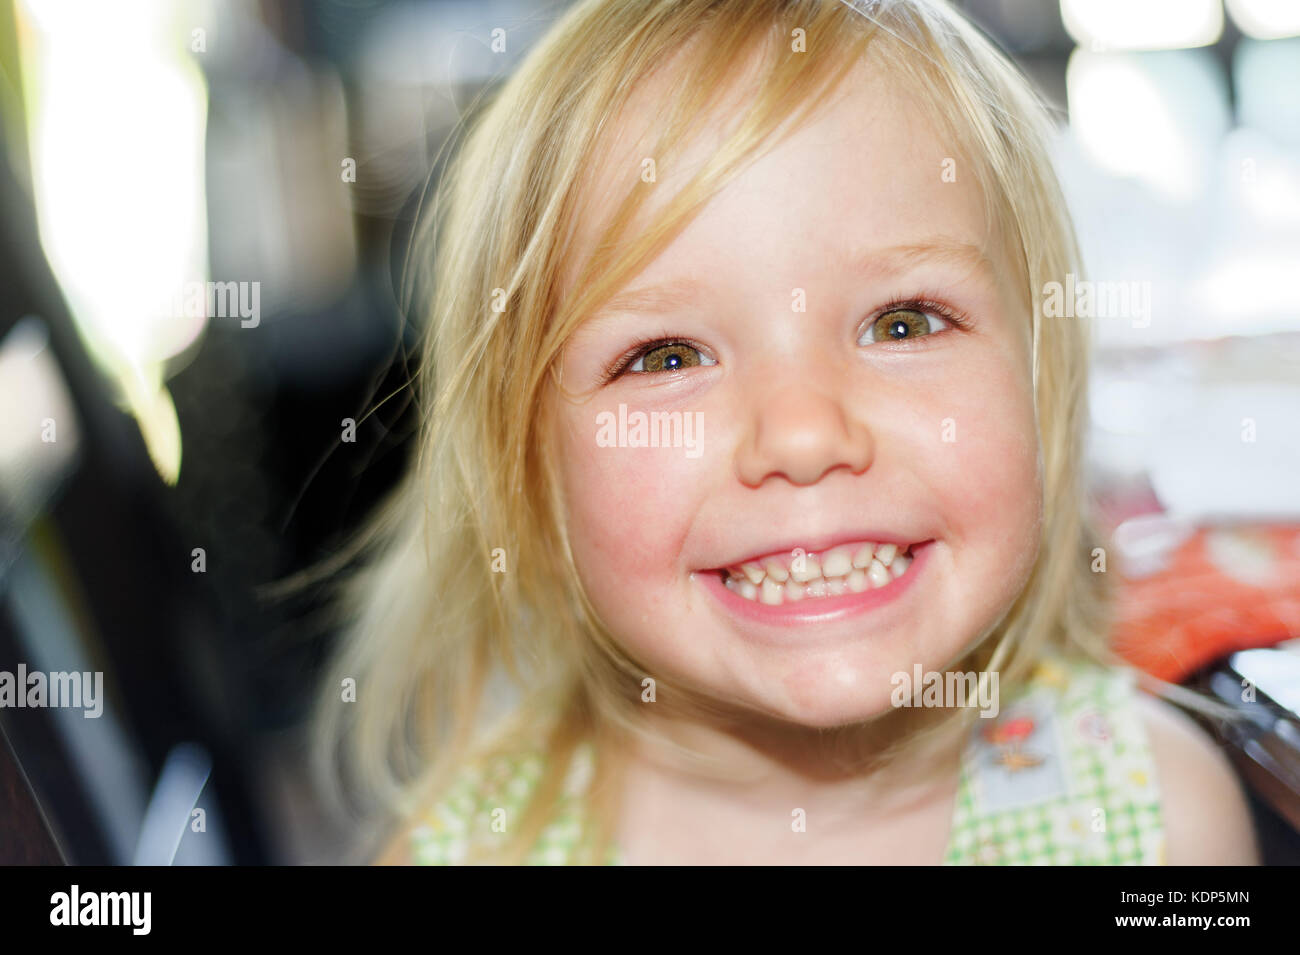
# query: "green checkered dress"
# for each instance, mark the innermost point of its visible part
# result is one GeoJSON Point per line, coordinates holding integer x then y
{"type": "Point", "coordinates": [1062, 776]}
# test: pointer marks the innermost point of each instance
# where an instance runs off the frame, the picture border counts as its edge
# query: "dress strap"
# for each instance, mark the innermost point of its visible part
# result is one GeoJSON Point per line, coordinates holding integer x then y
{"type": "Point", "coordinates": [488, 798]}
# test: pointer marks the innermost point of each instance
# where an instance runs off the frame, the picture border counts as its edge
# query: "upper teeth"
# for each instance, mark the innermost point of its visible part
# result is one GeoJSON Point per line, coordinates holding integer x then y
{"type": "Point", "coordinates": [849, 567]}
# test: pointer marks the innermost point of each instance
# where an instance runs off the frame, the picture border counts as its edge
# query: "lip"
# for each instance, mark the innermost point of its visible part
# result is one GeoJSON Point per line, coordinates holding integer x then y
{"type": "Point", "coordinates": [823, 544]}
{"type": "Point", "coordinates": [817, 610]}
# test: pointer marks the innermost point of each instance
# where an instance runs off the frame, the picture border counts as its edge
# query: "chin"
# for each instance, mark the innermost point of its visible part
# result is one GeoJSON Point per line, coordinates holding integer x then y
{"type": "Point", "coordinates": [815, 697]}
{"type": "Point", "coordinates": [833, 708]}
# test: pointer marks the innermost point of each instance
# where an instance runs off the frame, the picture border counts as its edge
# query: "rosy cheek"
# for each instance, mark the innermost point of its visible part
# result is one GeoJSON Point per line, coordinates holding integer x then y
{"type": "Point", "coordinates": [992, 477]}
{"type": "Point", "coordinates": [629, 508]}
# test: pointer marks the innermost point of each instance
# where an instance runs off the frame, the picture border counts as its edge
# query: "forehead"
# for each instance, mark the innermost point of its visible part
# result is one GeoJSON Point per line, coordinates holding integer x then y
{"type": "Point", "coordinates": [865, 172]}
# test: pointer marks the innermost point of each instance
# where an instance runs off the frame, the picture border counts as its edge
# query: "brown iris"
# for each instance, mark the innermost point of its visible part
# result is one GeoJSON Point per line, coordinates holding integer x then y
{"type": "Point", "coordinates": [671, 357]}
{"type": "Point", "coordinates": [899, 325]}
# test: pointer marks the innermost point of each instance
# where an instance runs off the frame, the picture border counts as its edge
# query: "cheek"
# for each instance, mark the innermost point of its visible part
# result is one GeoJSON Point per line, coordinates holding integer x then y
{"type": "Point", "coordinates": [992, 480]}
{"type": "Point", "coordinates": [629, 511]}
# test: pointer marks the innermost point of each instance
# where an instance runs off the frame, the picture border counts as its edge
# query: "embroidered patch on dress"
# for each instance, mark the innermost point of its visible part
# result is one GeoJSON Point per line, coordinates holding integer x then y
{"type": "Point", "coordinates": [1019, 760]}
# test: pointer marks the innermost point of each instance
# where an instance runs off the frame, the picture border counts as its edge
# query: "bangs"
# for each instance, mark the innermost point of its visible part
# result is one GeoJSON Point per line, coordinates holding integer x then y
{"type": "Point", "coordinates": [765, 76]}
{"type": "Point", "coordinates": [766, 73]}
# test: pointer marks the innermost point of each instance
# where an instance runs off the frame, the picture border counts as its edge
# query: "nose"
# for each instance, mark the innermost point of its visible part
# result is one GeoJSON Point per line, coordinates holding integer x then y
{"type": "Point", "coordinates": [800, 431]}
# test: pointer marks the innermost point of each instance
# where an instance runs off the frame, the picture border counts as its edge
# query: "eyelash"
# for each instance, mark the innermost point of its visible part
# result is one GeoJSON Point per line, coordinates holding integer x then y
{"type": "Point", "coordinates": [641, 348]}
{"type": "Point", "coordinates": [919, 304]}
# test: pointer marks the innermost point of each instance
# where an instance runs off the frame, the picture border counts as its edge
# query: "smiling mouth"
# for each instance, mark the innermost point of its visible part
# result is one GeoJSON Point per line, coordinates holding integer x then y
{"type": "Point", "coordinates": [846, 569]}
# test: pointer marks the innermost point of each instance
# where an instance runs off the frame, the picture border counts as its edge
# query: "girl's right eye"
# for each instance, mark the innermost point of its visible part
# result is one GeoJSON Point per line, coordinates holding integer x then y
{"type": "Point", "coordinates": [667, 356]}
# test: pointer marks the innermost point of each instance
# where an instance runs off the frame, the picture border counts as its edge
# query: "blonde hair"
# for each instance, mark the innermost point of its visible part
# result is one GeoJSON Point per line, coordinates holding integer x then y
{"type": "Point", "coordinates": [429, 622]}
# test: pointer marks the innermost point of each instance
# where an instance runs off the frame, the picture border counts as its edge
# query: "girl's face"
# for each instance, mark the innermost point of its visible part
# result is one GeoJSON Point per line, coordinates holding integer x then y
{"type": "Point", "coordinates": [848, 363]}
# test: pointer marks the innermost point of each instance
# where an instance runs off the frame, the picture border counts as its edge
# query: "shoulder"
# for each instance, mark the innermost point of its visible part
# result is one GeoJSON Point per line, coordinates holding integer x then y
{"type": "Point", "coordinates": [443, 831]}
{"type": "Point", "coordinates": [483, 801]}
{"type": "Point", "coordinates": [1206, 817]}
{"type": "Point", "coordinates": [473, 812]}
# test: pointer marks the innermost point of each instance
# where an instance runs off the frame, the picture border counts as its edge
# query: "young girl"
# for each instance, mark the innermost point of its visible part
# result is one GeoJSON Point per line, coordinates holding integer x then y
{"type": "Point", "coordinates": [747, 521]}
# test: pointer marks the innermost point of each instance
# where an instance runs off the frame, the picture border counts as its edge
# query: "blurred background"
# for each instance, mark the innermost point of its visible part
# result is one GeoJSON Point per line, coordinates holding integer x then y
{"type": "Point", "coordinates": [204, 208]}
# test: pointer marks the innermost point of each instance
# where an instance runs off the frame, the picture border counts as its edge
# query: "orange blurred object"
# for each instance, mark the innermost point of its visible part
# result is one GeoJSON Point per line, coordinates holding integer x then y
{"type": "Point", "coordinates": [1221, 590]}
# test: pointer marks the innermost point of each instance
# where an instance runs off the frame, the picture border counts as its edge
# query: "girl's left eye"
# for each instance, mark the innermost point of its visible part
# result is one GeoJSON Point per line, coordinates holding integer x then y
{"type": "Point", "coordinates": [669, 356]}
{"type": "Point", "coordinates": [901, 324]}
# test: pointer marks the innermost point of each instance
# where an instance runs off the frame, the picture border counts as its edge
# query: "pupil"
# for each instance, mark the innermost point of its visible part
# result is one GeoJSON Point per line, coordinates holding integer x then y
{"type": "Point", "coordinates": [672, 361]}
{"type": "Point", "coordinates": [898, 329]}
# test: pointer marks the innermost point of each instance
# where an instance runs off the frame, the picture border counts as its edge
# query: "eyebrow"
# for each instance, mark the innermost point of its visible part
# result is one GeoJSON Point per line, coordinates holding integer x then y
{"type": "Point", "coordinates": [665, 297]}
{"type": "Point", "coordinates": [876, 263]}
{"type": "Point", "coordinates": [889, 261]}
